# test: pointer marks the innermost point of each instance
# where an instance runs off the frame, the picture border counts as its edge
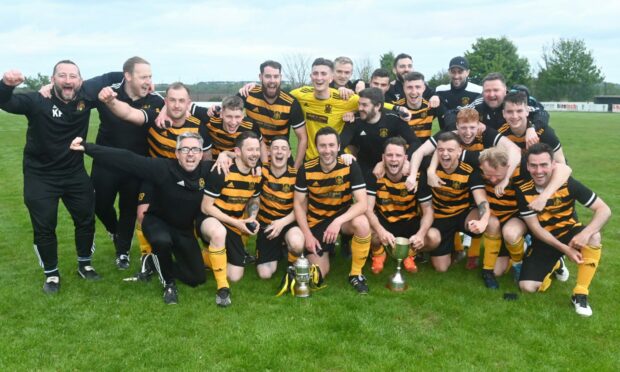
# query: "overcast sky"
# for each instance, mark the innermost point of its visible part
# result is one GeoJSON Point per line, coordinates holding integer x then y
{"type": "Point", "coordinates": [195, 41]}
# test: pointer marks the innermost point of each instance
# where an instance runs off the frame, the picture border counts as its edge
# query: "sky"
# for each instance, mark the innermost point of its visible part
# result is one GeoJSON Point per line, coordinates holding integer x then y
{"type": "Point", "coordinates": [194, 41]}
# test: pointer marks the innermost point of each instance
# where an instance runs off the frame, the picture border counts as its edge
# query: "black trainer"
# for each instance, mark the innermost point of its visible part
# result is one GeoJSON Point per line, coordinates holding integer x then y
{"type": "Point", "coordinates": [170, 294]}
{"type": "Point", "coordinates": [122, 262]}
{"type": "Point", "coordinates": [88, 272]}
{"type": "Point", "coordinates": [147, 269]}
{"type": "Point", "coordinates": [51, 285]}
{"type": "Point", "coordinates": [359, 283]}
{"type": "Point", "coordinates": [580, 301]}
{"type": "Point", "coordinates": [222, 297]}
{"type": "Point", "coordinates": [489, 279]}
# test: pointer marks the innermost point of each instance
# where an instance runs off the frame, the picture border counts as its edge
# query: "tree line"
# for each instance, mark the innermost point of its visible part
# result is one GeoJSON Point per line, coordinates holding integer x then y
{"type": "Point", "coordinates": [567, 73]}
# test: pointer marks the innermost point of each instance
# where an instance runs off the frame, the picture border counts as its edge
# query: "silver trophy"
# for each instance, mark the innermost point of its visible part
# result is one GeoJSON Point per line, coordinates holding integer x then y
{"type": "Point", "coordinates": [302, 277]}
{"type": "Point", "coordinates": [399, 251]}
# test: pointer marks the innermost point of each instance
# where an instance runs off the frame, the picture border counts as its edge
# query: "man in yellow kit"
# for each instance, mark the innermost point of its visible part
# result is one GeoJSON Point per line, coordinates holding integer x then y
{"type": "Point", "coordinates": [322, 106]}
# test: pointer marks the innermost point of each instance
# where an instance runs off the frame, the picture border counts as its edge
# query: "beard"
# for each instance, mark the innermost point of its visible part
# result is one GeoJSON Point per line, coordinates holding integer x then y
{"type": "Point", "coordinates": [65, 95]}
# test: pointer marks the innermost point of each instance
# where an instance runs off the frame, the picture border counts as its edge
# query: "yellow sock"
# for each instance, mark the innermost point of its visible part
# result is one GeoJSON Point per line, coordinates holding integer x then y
{"type": "Point", "coordinates": [458, 244]}
{"type": "Point", "coordinates": [291, 258]}
{"type": "Point", "coordinates": [359, 253]}
{"type": "Point", "coordinates": [492, 245]}
{"type": "Point", "coordinates": [206, 258]}
{"type": "Point", "coordinates": [378, 251]}
{"type": "Point", "coordinates": [145, 247]}
{"type": "Point", "coordinates": [516, 250]}
{"type": "Point", "coordinates": [218, 264]}
{"type": "Point", "coordinates": [474, 248]}
{"type": "Point", "coordinates": [585, 272]}
{"type": "Point", "coordinates": [546, 283]}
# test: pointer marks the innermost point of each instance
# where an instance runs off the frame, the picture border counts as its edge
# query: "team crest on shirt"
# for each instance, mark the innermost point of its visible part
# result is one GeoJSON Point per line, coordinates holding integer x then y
{"type": "Point", "coordinates": [81, 106]}
{"type": "Point", "coordinates": [201, 182]}
{"type": "Point", "coordinates": [255, 109]}
{"type": "Point", "coordinates": [328, 109]}
{"type": "Point", "coordinates": [339, 180]}
{"type": "Point", "coordinates": [464, 101]}
{"type": "Point", "coordinates": [286, 188]}
{"type": "Point", "coordinates": [403, 193]}
{"type": "Point", "coordinates": [456, 185]}
{"type": "Point", "coordinates": [423, 115]}
{"type": "Point", "coordinates": [383, 132]}
{"type": "Point", "coordinates": [251, 185]}
{"type": "Point", "coordinates": [277, 115]}
{"type": "Point", "coordinates": [230, 185]}
{"type": "Point", "coordinates": [557, 202]}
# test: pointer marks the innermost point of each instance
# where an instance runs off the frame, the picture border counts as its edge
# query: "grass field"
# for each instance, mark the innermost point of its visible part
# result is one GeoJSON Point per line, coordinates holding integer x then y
{"type": "Point", "coordinates": [444, 321]}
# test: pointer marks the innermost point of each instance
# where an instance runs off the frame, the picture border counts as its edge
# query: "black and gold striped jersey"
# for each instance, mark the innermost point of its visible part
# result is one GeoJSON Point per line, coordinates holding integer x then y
{"type": "Point", "coordinates": [276, 198]}
{"type": "Point", "coordinates": [545, 134]}
{"type": "Point", "coordinates": [223, 140]}
{"type": "Point", "coordinates": [559, 216]}
{"type": "Point", "coordinates": [503, 207]}
{"type": "Point", "coordinates": [232, 191]}
{"type": "Point", "coordinates": [422, 118]}
{"type": "Point", "coordinates": [162, 141]}
{"type": "Point", "coordinates": [274, 119]}
{"type": "Point", "coordinates": [455, 196]}
{"type": "Point", "coordinates": [331, 193]}
{"type": "Point", "coordinates": [393, 202]}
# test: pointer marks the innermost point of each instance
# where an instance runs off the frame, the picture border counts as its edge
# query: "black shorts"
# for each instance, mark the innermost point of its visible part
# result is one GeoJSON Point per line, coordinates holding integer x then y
{"type": "Point", "coordinates": [541, 257]}
{"type": "Point", "coordinates": [146, 192]}
{"type": "Point", "coordinates": [271, 250]}
{"type": "Point", "coordinates": [447, 228]}
{"type": "Point", "coordinates": [235, 249]}
{"type": "Point", "coordinates": [402, 229]}
{"type": "Point", "coordinates": [317, 231]}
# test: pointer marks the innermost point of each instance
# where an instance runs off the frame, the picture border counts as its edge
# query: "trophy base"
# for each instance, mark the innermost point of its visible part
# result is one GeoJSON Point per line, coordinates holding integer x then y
{"type": "Point", "coordinates": [302, 292]}
{"type": "Point", "coordinates": [397, 287]}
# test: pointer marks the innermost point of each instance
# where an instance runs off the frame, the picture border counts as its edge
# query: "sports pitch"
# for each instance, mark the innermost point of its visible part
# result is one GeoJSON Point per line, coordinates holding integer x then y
{"type": "Point", "coordinates": [444, 321]}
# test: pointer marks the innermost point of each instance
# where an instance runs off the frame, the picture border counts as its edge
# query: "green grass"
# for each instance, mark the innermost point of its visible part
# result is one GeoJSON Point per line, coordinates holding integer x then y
{"type": "Point", "coordinates": [444, 321]}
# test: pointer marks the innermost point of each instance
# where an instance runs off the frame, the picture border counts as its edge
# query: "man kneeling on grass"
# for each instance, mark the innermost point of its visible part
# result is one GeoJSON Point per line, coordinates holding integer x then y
{"type": "Point", "coordinates": [395, 212]}
{"type": "Point", "coordinates": [556, 230]}
{"type": "Point", "coordinates": [168, 225]}
{"type": "Point", "coordinates": [275, 215]}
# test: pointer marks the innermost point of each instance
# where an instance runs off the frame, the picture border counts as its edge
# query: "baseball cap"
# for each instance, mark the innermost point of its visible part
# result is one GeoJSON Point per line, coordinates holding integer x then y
{"type": "Point", "coordinates": [459, 62]}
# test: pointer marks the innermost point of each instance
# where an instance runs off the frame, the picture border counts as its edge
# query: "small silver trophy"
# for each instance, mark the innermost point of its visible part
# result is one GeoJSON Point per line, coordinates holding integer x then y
{"type": "Point", "coordinates": [399, 251]}
{"type": "Point", "coordinates": [302, 277]}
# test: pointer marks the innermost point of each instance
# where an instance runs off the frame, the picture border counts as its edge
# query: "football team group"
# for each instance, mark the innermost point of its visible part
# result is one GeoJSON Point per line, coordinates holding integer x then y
{"type": "Point", "coordinates": [490, 187]}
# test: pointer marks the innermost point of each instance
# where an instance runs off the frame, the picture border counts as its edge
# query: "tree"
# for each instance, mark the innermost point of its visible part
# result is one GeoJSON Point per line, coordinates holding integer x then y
{"type": "Point", "coordinates": [363, 69]}
{"type": "Point", "coordinates": [36, 82]}
{"type": "Point", "coordinates": [296, 70]}
{"type": "Point", "coordinates": [386, 61]}
{"type": "Point", "coordinates": [497, 55]}
{"type": "Point", "coordinates": [568, 72]}
{"type": "Point", "coordinates": [440, 77]}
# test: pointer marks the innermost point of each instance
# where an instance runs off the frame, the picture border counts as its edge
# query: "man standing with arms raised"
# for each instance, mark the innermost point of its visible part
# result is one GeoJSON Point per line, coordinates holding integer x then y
{"type": "Point", "coordinates": [51, 171]}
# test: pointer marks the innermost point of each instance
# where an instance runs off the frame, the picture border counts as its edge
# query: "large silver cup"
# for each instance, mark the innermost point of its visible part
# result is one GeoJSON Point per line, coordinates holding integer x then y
{"type": "Point", "coordinates": [302, 277]}
{"type": "Point", "coordinates": [399, 251]}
